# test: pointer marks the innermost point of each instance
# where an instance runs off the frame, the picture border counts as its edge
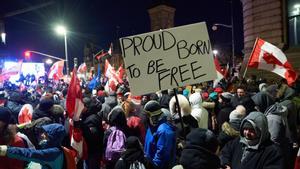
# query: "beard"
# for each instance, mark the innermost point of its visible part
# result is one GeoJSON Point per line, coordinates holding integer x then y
{"type": "Point", "coordinates": [7, 134]}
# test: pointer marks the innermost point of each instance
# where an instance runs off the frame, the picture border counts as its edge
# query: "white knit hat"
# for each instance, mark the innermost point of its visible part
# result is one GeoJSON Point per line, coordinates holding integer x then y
{"type": "Point", "coordinates": [238, 113]}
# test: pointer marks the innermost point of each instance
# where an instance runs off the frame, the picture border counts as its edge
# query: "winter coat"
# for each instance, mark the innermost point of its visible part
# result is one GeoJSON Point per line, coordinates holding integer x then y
{"type": "Point", "coordinates": [160, 145]}
{"type": "Point", "coordinates": [238, 154]}
{"type": "Point", "coordinates": [223, 114]}
{"type": "Point", "coordinates": [9, 163]}
{"type": "Point", "coordinates": [93, 133]}
{"type": "Point", "coordinates": [133, 153]}
{"type": "Point", "coordinates": [50, 157]}
{"type": "Point", "coordinates": [199, 112]}
{"type": "Point", "coordinates": [263, 100]}
{"type": "Point", "coordinates": [228, 133]}
{"type": "Point", "coordinates": [196, 157]}
{"type": "Point", "coordinates": [107, 106]}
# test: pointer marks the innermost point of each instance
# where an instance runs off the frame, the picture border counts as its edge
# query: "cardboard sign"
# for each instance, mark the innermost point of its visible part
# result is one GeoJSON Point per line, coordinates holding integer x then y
{"type": "Point", "coordinates": [168, 59]}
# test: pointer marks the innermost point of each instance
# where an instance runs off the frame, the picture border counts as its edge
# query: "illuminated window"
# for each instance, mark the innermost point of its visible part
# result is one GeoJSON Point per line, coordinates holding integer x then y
{"type": "Point", "coordinates": [294, 22]}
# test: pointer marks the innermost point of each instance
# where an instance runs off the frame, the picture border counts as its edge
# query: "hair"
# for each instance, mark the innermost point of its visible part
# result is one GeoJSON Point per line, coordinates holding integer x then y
{"type": "Point", "coordinates": [8, 134]}
{"type": "Point", "coordinates": [241, 87]}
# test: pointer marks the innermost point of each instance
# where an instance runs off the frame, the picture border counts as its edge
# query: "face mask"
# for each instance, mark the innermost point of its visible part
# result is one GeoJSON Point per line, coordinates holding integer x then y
{"type": "Point", "coordinates": [154, 120]}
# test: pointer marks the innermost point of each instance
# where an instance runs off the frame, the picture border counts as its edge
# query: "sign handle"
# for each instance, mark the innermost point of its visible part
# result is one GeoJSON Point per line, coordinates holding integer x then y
{"type": "Point", "coordinates": [179, 111]}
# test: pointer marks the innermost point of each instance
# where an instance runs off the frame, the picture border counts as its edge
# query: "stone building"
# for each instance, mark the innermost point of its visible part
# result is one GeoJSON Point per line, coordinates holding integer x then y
{"type": "Point", "coordinates": [276, 21]}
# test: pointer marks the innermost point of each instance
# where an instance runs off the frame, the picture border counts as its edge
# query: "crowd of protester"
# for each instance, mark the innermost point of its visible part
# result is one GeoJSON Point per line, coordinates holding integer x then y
{"type": "Point", "coordinates": [240, 124]}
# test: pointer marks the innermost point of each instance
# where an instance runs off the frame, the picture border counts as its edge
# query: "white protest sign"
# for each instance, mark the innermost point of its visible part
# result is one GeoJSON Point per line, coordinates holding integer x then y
{"type": "Point", "coordinates": [169, 58]}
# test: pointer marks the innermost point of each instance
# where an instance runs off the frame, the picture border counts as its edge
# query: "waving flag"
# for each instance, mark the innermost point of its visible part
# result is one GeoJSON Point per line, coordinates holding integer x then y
{"type": "Point", "coordinates": [220, 74]}
{"type": "Point", "coordinates": [74, 102]}
{"type": "Point", "coordinates": [268, 57]}
{"type": "Point", "coordinates": [82, 68]}
{"type": "Point", "coordinates": [56, 70]}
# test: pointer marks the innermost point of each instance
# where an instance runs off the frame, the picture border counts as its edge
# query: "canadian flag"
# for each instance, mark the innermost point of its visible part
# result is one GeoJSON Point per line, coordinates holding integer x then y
{"type": "Point", "coordinates": [268, 57]}
{"type": "Point", "coordinates": [114, 77]}
{"type": "Point", "coordinates": [74, 102]}
{"type": "Point", "coordinates": [56, 70]}
{"type": "Point", "coordinates": [220, 74]}
{"type": "Point", "coordinates": [82, 68]}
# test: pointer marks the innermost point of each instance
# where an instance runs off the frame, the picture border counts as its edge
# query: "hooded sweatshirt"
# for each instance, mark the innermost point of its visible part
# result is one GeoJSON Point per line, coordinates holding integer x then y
{"type": "Point", "coordinates": [51, 156]}
{"type": "Point", "coordinates": [248, 154]}
{"type": "Point", "coordinates": [199, 112]}
{"type": "Point", "coordinates": [263, 100]}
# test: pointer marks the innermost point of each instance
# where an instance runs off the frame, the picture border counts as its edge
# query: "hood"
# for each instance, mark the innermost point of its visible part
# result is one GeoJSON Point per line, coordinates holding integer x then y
{"type": "Point", "coordinates": [272, 90]}
{"type": "Point", "coordinates": [183, 103]}
{"type": "Point", "coordinates": [134, 150]}
{"type": "Point", "coordinates": [56, 133]}
{"type": "Point", "coordinates": [263, 100]}
{"type": "Point", "coordinates": [117, 117]}
{"type": "Point", "coordinates": [195, 157]}
{"type": "Point", "coordinates": [111, 101]}
{"type": "Point", "coordinates": [289, 93]}
{"type": "Point", "coordinates": [259, 122]}
{"type": "Point", "coordinates": [277, 109]}
{"type": "Point", "coordinates": [195, 100]}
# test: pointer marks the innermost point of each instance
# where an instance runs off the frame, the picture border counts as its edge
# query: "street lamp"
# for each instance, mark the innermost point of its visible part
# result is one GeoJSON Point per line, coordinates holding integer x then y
{"type": "Point", "coordinates": [61, 30]}
{"type": "Point", "coordinates": [49, 61]}
{"type": "Point", "coordinates": [215, 27]}
{"type": "Point", "coordinates": [215, 52]}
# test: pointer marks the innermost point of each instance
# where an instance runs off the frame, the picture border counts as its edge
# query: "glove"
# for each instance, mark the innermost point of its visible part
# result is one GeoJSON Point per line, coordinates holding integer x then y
{"type": "Point", "coordinates": [3, 150]}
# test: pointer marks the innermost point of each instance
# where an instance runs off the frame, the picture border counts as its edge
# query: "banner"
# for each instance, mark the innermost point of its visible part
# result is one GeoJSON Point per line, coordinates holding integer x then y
{"type": "Point", "coordinates": [169, 58]}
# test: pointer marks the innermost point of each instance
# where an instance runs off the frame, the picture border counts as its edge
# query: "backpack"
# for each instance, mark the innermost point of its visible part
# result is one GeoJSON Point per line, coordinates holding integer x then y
{"type": "Point", "coordinates": [137, 165]}
{"type": "Point", "coordinates": [115, 144]}
{"type": "Point", "coordinates": [277, 123]}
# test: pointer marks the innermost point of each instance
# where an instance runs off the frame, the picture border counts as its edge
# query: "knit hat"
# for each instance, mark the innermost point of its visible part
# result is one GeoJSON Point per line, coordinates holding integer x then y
{"type": "Point", "coordinates": [5, 115]}
{"type": "Point", "coordinates": [203, 138]}
{"type": "Point", "coordinates": [238, 114]}
{"type": "Point", "coordinates": [152, 108]}
{"type": "Point", "coordinates": [218, 90]}
{"type": "Point", "coordinates": [213, 96]}
{"type": "Point", "coordinates": [226, 97]}
{"type": "Point", "coordinates": [204, 95]}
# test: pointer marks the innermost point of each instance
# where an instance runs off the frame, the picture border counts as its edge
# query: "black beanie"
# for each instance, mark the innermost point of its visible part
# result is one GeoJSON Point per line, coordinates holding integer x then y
{"type": "Point", "coordinates": [152, 108]}
{"type": "Point", "coordinates": [203, 138]}
{"type": "Point", "coordinates": [46, 104]}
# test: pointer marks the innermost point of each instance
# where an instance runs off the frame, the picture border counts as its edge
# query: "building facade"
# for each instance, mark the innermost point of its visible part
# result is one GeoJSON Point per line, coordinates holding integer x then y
{"type": "Point", "coordinates": [277, 22]}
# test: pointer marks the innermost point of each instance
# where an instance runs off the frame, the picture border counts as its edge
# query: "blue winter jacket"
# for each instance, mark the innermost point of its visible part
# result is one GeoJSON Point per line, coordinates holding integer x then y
{"type": "Point", "coordinates": [51, 157]}
{"type": "Point", "coordinates": [160, 145]}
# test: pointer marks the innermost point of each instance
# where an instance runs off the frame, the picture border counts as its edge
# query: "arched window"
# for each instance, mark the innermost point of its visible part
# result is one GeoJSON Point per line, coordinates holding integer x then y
{"type": "Point", "coordinates": [294, 22]}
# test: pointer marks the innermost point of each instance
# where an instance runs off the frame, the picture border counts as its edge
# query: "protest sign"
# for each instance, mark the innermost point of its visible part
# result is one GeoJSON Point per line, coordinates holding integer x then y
{"type": "Point", "coordinates": [169, 58]}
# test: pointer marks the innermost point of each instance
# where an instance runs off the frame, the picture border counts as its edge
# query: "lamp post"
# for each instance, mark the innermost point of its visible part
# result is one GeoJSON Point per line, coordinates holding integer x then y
{"type": "Point", "coordinates": [61, 30]}
{"type": "Point", "coordinates": [215, 27]}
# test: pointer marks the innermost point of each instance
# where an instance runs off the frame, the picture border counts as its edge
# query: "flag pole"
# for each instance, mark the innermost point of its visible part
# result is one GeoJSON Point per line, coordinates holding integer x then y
{"type": "Point", "coordinates": [250, 58]}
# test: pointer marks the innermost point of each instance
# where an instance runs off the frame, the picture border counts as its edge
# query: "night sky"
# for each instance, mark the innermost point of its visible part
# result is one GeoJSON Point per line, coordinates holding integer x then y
{"type": "Point", "coordinates": [102, 22]}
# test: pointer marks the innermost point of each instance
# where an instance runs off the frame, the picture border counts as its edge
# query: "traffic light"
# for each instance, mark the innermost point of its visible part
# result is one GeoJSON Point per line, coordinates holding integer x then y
{"type": "Point", "coordinates": [27, 54]}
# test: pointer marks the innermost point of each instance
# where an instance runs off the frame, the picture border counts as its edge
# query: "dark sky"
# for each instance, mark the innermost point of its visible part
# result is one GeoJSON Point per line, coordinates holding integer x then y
{"type": "Point", "coordinates": [104, 21]}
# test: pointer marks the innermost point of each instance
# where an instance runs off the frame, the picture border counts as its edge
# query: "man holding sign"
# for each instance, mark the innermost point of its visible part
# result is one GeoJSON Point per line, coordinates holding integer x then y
{"type": "Point", "coordinates": [168, 58]}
